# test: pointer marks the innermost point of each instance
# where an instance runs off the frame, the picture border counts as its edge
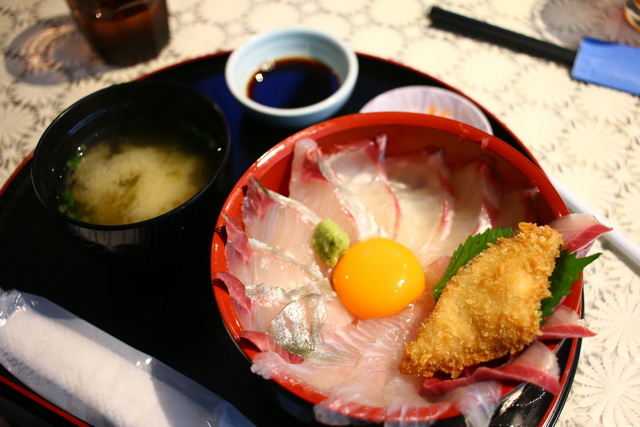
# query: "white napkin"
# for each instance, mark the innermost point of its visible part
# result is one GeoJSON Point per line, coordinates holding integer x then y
{"type": "Point", "coordinates": [96, 377]}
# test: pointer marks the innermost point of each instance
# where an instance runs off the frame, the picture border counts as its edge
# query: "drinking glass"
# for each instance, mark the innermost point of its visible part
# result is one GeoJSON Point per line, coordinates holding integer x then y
{"type": "Point", "coordinates": [123, 32]}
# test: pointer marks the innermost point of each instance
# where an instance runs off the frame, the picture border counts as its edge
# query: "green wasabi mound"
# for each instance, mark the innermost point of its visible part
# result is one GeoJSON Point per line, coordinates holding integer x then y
{"type": "Point", "coordinates": [330, 241]}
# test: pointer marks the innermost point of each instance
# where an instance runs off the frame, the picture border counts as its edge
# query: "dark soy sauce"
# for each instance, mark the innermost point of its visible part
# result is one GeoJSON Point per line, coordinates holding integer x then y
{"type": "Point", "coordinates": [292, 83]}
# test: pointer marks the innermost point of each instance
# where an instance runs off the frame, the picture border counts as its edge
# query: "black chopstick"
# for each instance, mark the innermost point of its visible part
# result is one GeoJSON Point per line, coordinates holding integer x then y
{"type": "Point", "coordinates": [453, 22]}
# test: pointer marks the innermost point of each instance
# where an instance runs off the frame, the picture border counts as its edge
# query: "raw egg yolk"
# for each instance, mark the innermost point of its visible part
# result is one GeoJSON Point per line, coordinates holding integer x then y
{"type": "Point", "coordinates": [378, 277]}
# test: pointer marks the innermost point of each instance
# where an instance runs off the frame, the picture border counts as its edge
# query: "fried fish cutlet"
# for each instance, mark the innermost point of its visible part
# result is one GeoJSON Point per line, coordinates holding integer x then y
{"type": "Point", "coordinates": [490, 308]}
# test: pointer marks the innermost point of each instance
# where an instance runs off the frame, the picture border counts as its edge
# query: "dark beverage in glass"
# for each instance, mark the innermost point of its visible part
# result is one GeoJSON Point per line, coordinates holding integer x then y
{"type": "Point", "coordinates": [123, 32]}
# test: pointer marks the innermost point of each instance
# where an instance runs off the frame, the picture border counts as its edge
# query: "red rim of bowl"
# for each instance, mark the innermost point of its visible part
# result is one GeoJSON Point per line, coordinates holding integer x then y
{"type": "Point", "coordinates": [282, 150]}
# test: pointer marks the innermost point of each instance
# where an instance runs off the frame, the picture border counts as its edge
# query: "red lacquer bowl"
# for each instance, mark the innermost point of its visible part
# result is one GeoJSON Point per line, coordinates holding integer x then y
{"type": "Point", "coordinates": [406, 132]}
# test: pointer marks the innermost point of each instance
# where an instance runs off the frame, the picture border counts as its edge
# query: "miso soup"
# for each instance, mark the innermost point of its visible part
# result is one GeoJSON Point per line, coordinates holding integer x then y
{"type": "Point", "coordinates": [138, 173]}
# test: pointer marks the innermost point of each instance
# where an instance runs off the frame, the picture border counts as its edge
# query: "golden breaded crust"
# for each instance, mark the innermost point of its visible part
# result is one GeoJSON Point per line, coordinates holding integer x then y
{"type": "Point", "coordinates": [490, 308]}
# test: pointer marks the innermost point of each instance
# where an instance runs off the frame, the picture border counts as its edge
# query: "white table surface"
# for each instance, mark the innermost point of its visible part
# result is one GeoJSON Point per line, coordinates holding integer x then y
{"type": "Point", "coordinates": [586, 136]}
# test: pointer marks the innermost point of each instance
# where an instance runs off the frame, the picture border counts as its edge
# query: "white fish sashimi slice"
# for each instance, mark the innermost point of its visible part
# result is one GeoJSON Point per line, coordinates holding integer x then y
{"type": "Point", "coordinates": [365, 221]}
{"type": "Point", "coordinates": [476, 402]}
{"type": "Point", "coordinates": [296, 319]}
{"type": "Point", "coordinates": [380, 343]}
{"type": "Point", "coordinates": [253, 262]}
{"type": "Point", "coordinates": [293, 318]}
{"type": "Point", "coordinates": [281, 222]}
{"type": "Point", "coordinates": [310, 187]}
{"type": "Point", "coordinates": [264, 342]}
{"type": "Point", "coordinates": [477, 193]}
{"type": "Point", "coordinates": [354, 363]}
{"type": "Point", "coordinates": [360, 167]}
{"type": "Point", "coordinates": [404, 401]}
{"type": "Point", "coordinates": [422, 185]}
{"type": "Point", "coordinates": [314, 184]}
{"type": "Point", "coordinates": [266, 303]}
{"type": "Point", "coordinates": [270, 365]}
{"type": "Point", "coordinates": [310, 314]}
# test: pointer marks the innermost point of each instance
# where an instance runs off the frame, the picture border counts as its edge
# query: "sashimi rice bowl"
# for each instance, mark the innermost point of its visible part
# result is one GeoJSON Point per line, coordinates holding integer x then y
{"type": "Point", "coordinates": [334, 269]}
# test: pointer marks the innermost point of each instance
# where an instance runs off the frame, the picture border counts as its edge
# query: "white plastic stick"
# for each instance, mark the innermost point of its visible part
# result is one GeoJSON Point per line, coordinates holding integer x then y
{"type": "Point", "coordinates": [613, 239]}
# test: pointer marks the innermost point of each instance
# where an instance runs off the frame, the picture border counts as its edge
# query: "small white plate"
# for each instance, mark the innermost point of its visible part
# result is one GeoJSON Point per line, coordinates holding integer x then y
{"type": "Point", "coordinates": [430, 100]}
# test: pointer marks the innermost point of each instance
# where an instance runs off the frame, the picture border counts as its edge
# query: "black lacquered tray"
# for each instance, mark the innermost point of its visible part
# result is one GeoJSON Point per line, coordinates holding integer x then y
{"type": "Point", "coordinates": [168, 311]}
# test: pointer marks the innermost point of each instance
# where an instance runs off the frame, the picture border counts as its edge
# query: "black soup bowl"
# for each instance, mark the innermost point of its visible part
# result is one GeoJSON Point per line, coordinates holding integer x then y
{"type": "Point", "coordinates": [134, 171]}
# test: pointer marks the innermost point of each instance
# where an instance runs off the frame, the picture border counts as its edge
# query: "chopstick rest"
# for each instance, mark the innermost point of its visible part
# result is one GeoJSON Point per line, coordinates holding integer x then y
{"type": "Point", "coordinates": [95, 377]}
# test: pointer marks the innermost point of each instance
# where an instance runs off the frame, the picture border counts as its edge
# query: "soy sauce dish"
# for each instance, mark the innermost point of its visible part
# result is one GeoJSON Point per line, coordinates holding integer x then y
{"type": "Point", "coordinates": [134, 168]}
{"type": "Point", "coordinates": [292, 76]}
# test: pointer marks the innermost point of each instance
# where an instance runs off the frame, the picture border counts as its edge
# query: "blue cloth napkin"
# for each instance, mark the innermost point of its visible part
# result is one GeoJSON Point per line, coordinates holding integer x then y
{"type": "Point", "coordinates": [608, 64]}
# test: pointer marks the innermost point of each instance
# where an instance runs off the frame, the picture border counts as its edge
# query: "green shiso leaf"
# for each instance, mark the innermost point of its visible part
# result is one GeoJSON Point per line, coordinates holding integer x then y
{"type": "Point", "coordinates": [566, 272]}
{"type": "Point", "coordinates": [466, 252]}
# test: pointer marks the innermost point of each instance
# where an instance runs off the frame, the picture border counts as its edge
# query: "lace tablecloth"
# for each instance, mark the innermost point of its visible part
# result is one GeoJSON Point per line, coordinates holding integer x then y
{"type": "Point", "coordinates": [587, 136]}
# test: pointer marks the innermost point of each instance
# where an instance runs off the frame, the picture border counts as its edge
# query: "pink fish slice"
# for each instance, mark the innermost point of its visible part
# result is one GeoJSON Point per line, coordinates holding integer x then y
{"type": "Point", "coordinates": [421, 183]}
{"type": "Point", "coordinates": [253, 262]}
{"type": "Point", "coordinates": [477, 201]}
{"type": "Point", "coordinates": [314, 184]}
{"type": "Point", "coordinates": [360, 167]}
{"type": "Point", "coordinates": [281, 222]}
